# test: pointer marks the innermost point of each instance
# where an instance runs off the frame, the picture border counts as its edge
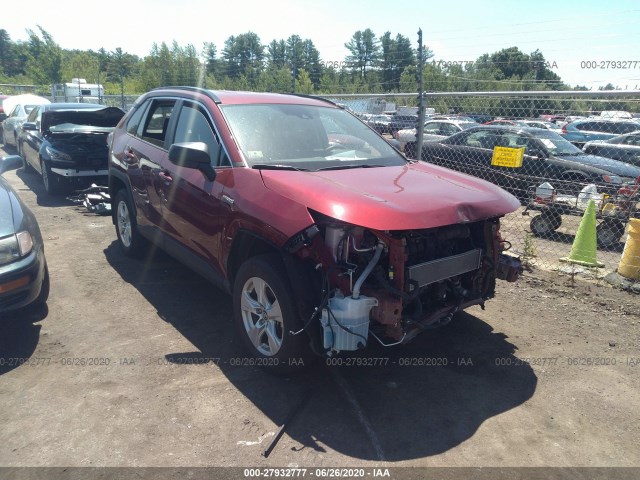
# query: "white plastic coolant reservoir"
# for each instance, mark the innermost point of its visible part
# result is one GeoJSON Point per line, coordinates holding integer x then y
{"type": "Point", "coordinates": [353, 315]}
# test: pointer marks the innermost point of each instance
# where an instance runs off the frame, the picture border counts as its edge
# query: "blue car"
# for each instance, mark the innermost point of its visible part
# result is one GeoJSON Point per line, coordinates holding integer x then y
{"type": "Point", "coordinates": [24, 278]}
{"type": "Point", "coordinates": [582, 131]}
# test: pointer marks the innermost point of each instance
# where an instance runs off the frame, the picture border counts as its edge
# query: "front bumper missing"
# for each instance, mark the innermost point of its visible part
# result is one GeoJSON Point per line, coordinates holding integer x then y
{"type": "Point", "coordinates": [72, 172]}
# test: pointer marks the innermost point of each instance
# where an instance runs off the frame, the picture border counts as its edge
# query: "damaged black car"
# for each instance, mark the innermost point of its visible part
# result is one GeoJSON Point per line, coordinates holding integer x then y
{"type": "Point", "coordinates": [67, 144]}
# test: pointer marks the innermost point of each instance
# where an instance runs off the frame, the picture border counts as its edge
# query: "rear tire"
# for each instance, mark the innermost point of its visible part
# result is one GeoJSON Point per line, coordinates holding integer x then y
{"type": "Point", "coordinates": [129, 238]}
{"type": "Point", "coordinates": [265, 313]}
{"type": "Point", "coordinates": [546, 223]}
{"type": "Point", "coordinates": [608, 234]}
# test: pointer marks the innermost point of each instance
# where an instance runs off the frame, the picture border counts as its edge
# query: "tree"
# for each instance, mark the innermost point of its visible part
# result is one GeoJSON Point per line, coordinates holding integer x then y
{"type": "Point", "coordinates": [121, 66]}
{"type": "Point", "coordinates": [311, 62]}
{"type": "Point", "coordinates": [243, 56]}
{"type": "Point", "coordinates": [365, 52]}
{"type": "Point", "coordinates": [303, 82]}
{"type": "Point", "coordinates": [277, 54]}
{"type": "Point", "coordinates": [79, 64]}
{"type": "Point", "coordinates": [210, 54]}
{"type": "Point", "coordinates": [7, 59]}
{"type": "Point", "coordinates": [396, 55]}
{"type": "Point", "coordinates": [44, 61]}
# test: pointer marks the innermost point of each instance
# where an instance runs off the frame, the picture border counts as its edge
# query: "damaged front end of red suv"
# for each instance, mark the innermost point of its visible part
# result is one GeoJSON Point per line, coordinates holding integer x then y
{"type": "Point", "coordinates": [383, 263]}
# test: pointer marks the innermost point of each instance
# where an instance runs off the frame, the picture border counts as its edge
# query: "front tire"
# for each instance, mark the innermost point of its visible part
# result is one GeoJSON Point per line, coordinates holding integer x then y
{"type": "Point", "coordinates": [129, 239]}
{"type": "Point", "coordinates": [265, 314]}
{"type": "Point", "coordinates": [43, 296]}
{"type": "Point", "coordinates": [52, 182]}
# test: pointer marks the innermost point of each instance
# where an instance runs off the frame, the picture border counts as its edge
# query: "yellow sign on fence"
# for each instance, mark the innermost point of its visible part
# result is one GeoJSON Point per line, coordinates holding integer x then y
{"type": "Point", "coordinates": [507, 157]}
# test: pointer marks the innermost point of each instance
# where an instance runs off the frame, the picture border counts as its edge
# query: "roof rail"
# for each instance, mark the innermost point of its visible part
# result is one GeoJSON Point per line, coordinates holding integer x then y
{"type": "Point", "coordinates": [203, 91]}
{"type": "Point", "coordinates": [316, 97]}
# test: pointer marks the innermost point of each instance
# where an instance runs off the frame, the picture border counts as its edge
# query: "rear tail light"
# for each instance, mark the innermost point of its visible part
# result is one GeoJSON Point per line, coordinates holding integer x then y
{"type": "Point", "coordinates": [564, 129]}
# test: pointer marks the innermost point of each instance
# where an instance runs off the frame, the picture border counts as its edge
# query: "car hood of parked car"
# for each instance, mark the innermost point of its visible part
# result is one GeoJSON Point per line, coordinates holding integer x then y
{"type": "Point", "coordinates": [413, 196]}
{"type": "Point", "coordinates": [613, 166]}
{"type": "Point", "coordinates": [105, 117]}
{"type": "Point", "coordinates": [6, 209]}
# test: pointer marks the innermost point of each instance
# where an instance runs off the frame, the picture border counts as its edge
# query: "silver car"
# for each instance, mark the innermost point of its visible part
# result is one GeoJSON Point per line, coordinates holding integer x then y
{"type": "Point", "coordinates": [13, 124]}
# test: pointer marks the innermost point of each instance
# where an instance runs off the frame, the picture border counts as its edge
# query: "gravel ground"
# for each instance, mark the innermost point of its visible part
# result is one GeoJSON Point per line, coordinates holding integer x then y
{"type": "Point", "coordinates": [134, 363]}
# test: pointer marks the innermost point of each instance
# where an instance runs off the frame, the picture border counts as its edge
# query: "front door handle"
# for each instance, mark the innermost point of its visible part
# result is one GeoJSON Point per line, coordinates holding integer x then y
{"type": "Point", "coordinates": [166, 176]}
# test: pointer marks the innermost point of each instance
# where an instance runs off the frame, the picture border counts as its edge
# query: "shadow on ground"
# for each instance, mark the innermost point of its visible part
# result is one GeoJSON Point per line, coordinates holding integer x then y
{"type": "Point", "coordinates": [410, 411]}
{"type": "Point", "coordinates": [19, 336]}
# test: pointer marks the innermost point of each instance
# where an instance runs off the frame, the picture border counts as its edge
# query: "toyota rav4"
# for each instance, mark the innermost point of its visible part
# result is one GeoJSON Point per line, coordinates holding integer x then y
{"type": "Point", "coordinates": [326, 237]}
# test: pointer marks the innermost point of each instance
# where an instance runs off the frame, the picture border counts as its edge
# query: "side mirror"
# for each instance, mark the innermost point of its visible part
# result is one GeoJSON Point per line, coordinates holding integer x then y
{"type": "Point", "coordinates": [537, 153]}
{"type": "Point", "coordinates": [193, 155]}
{"type": "Point", "coordinates": [10, 162]}
{"type": "Point", "coordinates": [31, 126]}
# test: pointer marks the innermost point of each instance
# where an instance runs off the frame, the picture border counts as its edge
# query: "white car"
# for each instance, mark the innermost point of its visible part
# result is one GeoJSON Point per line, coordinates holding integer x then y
{"type": "Point", "coordinates": [433, 130]}
{"type": "Point", "coordinates": [18, 108]}
{"type": "Point", "coordinates": [542, 124]}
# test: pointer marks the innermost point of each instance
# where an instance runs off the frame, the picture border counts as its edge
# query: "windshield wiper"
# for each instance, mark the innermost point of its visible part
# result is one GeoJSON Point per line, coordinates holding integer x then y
{"type": "Point", "coordinates": [276, 166]}
{"type": "Point", "coordinates": [346, 167]}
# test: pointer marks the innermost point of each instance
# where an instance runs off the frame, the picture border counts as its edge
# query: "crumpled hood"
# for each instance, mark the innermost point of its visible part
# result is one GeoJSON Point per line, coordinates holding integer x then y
{"type": "Point", "coordinates": [105, 117]}
{"type": "Point", "coordinates": [413, 196]}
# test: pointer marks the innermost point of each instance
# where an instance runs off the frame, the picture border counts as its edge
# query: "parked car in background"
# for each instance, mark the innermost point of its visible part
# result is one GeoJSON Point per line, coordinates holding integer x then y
{"type": "Point", "coordinates": [18, 107]}
{"type": "Point", "coordinates": [569, 119]}
{"type": "Point", "coordinates": [479, 117]}
{"type": "Point", "coordinates": [67, 143]}
{"type": "Point", "coordinates": [625, 148]}
{"type": "Point", "coordinates": [454, 117]}
{"type": "Point", "coordinates": [3, 115]}
{"type": "Point", "coordinates": [582, 131]}
{"type": "Point", "coordinates": [400, 122]}
{"type": "Point", "coordinates": [616, 114]}
{"type": "Point", "coordinates": [547, 156]}
{"type": "Point", "coordinates": [24, 277]}
{"type": "Point", "coordinates": [433, 130]}
{"type": "Point", "coordinates": [505, 121]}
{"type": "Point", "coordinates": [526, 122]}
{"type": "Point", "coordinates": [252, 191]}
{"type": "Point", "coordinates": [380, 123]}
{"type": "Point", "coordinates": [555, 119]}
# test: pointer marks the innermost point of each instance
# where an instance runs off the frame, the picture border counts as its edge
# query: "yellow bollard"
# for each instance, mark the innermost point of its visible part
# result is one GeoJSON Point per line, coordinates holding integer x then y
{"type": "Point", "coordinates": [630, 261]}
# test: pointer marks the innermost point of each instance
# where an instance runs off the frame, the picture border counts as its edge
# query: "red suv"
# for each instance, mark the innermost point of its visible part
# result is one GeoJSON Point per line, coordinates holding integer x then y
{"type": "Point", "coordinates": [326, 237]}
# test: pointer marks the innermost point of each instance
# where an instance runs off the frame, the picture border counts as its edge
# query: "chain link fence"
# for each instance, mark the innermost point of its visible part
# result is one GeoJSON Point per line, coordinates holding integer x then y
{"type": "Point", "coordinates": [539, 147]}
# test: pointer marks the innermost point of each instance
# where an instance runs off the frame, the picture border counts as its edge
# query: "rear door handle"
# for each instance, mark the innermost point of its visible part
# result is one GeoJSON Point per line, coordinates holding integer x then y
{"type": "Point", "coordinates": [228, 199]}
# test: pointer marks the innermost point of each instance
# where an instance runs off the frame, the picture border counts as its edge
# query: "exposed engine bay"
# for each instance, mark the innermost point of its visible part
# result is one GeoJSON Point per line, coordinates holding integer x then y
{"type": "Point", "coordinates": [396, 284]}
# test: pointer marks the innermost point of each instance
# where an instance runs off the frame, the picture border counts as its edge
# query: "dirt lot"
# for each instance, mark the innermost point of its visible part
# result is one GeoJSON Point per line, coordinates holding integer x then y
{"type": "Point", "coordinates": [134, 363]}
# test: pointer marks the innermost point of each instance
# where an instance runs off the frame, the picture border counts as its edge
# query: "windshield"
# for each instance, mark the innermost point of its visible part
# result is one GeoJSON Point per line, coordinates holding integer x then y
{"type": "Point", "coordinates": [555, 144]}
{"type": "Point", "coordinates": [306, 137]}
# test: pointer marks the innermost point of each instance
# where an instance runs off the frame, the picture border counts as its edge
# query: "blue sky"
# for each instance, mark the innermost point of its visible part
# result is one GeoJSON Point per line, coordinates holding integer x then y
{"type": "Point", "coordinates": [567, 32]}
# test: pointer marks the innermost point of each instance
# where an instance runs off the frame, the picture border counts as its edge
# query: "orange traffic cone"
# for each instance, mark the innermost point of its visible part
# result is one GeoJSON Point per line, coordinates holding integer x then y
{"type": "Point", "coordinates": [584, 248]}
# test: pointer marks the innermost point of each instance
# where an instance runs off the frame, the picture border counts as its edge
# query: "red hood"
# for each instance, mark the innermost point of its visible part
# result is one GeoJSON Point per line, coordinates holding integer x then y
{"type": "Point", "coordinates": [394, 198]}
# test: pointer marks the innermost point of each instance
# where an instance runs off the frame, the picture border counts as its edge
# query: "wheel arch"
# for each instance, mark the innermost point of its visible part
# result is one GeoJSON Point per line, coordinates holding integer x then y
{"type": "Point", "coordinates": [247, 244]}
{"type": "Point", "coordinates": [117, 182]}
